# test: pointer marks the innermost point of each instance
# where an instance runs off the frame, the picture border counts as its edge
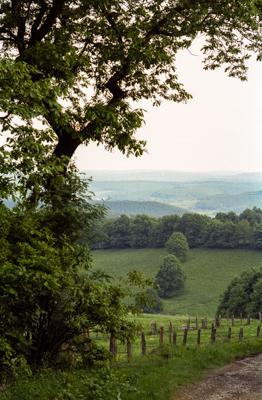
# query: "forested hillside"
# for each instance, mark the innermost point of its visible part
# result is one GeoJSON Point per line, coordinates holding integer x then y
{"type": "Point", "coordinates": [152, 208]}
{"type": "Point", "coordinates": [226, 230]}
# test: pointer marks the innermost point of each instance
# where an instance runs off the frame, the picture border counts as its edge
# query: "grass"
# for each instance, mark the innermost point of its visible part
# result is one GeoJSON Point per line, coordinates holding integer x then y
{"type": "Point", "coordinates": [160, 378]}
{"type": "Point", "coordinates": [152, 377]}
{"type": "Point", "coordinates": [208, 274]}
{"type": "Point", "coordinates": [179, 323]}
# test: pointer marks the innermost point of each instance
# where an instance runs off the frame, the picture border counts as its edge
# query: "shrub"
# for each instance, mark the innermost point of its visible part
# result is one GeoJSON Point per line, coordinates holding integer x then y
{"type": "Point", "coordinates": [170, 277]}
{"type": "Point", "coordinates": [153, 303]}
{"type": "Point", "coordinates": [243, 295]}
{"type": "Point", "coordinates": [178, 246]}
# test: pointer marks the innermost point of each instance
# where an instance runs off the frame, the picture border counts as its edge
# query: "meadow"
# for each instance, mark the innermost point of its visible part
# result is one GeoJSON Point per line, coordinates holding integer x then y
{"type": "Point", "coordinates": [208, 274]}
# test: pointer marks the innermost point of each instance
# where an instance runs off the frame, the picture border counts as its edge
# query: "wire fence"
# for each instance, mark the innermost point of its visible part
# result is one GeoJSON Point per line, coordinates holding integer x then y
{"type": "Point", "coordinates": [189, 333]}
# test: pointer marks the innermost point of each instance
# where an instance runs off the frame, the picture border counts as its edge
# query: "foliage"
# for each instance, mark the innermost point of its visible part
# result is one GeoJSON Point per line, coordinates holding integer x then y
{"type": "Point", "coordinates": [226, 230]}
{"type": "Point", "coordinates": [119, 231]}
{"type": "Point", "coordinates": [152, 303]}
{"type": "Point", "coordinates": [49, 294]}
{"type": "Point", "coordinates": [243, 295]}
{"type": "Point", "coordinates": [140, 230]}
{"type": "Point", "coordinates": [75, 69]}
{"type": "Point", "coordinates": [178, 246]}
{"type": "Point", "coordinates": [146, 378]}
{"type": "Point", "coordinates": [257, 237]}
{"type": "Point", "coordinates": [170, 277]}
{"type": "Point", "coordinates": [194, 227]}
{"type": "Point", "coordinates": [100, 383]}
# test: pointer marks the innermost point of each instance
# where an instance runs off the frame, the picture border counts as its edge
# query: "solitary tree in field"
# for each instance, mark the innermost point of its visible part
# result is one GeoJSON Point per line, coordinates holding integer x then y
{"type": "Point", "coordinates": [71, 72]}
{"type": "Point", "coordinates": [170, 277]}
{"type": "Point", "coordinates": [177, 245]}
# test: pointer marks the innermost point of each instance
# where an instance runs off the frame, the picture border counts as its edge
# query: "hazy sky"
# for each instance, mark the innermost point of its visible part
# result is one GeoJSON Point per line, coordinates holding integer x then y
{"type": "Point", "coordinates": [219, 130]}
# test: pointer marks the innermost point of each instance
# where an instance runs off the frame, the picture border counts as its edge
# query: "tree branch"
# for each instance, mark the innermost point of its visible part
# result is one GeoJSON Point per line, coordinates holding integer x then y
{"type": "Point", "coordinates": [38, 19]}
{"type": "Point", "coordinates": [45, 28]}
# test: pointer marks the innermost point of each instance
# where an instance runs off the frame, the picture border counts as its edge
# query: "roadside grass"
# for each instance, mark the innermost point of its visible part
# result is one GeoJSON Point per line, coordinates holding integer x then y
{"type": "Point", "coordinates": [208, 271]}
{"type": "Point", "coordinates": [156, 376]}
{"type": "Point", "coordinates": [161, 377]}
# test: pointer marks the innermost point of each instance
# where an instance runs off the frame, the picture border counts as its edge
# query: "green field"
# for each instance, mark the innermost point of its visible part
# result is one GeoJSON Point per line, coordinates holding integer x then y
{"type": "Point", "coordinates": [208, 274]}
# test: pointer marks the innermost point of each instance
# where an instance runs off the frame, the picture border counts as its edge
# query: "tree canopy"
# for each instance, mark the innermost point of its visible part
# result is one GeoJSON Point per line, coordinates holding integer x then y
{"type": "Point", "coordinates": [243, 295]}
{"type": "Point", "coordinates": [170, 277]}
{"type": "Point", "coordinates": [177, 245]}
{"type": "Point", "coordinates": [72, 73]}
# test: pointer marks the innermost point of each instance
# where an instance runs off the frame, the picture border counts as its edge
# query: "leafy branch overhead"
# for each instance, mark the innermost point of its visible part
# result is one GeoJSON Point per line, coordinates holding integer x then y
{"type": "Point", "coordinates": [79, 67]}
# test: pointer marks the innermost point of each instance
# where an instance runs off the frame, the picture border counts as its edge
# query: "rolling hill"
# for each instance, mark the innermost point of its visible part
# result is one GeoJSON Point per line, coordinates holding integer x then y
{"type": "Point", "coordinates": [153, 208]}
{"type": "Point", "coordinates": [208, 273]}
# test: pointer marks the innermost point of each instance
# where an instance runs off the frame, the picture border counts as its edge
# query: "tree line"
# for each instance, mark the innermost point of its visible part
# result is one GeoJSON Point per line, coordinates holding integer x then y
{"type": "Point", "coordinates": [225, 230]}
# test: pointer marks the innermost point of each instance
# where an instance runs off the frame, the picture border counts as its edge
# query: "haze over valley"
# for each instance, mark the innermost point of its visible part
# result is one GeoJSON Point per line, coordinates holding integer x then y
{"type": "Point", "coordinates": [160, 193]}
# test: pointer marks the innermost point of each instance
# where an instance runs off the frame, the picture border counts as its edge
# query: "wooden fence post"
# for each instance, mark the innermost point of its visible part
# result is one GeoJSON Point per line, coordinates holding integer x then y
{"type": "Point", "coordinates": [196, 323]}
{"type": "Point", "coordinates": [174, 338]}
{"type": "Point", "coordinates": [233, 320]}
{"type": "Point", "coordinates": [241, 334]}
{"type": "Point", "coordinates": [185, 337]}
{"type": "Point", "coordinates": [203, 323]}
{"type": "Point", "coordinates": [258, 330]}
{"type": "Point", "coordinates": [129, 350]}
{"type": "Point", "coordinates": [143, 344]}
{"type": "Point", "coordinates": [260, 317]}
{"type": "Point", "coordinates": [241, 318]}
{"type": "Point", "coordinates": [170, 329]}
{"type": "Point", "coordinates": [153, 328]}
{"type": "Point", "coordinates": [161, 337]}
{"type": "Point", "coordinates": [248, 320]}
{"type": "Point", "coordinates": [229, 333]}
{"type": "Point", "coordinates": [198, 336]}
{"type": "Point", "coordinates": [213, 335]}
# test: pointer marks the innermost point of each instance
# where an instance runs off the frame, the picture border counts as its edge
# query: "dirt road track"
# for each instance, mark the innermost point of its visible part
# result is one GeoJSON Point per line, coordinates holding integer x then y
{"type": "Point", "coordinates": [241, 380]}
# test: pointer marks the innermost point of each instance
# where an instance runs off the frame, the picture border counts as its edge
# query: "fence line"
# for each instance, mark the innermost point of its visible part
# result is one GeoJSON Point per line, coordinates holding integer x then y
{"type": "Point", "coordinates": [192, 333]}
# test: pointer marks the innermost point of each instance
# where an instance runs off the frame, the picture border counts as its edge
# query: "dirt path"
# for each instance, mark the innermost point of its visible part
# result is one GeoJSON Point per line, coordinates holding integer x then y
{"type": "Point", "coordinates": [241, 380]}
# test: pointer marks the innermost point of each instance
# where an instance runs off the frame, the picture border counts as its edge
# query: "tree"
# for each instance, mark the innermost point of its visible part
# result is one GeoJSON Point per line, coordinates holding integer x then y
{"type": "Point", "coordinates": [49, 293]}
{"type": "Point", "coordinates": [170, 277]}
{"type": "Point", "coordinates": [177, 245]}
{"type": "Point", "coordinates": [194, 227]}
{"type": "Point", "coordinates": [69, 72]}
{"type": "Point", "coordinates": [119, 232]}
{"type": "Point", "coordinates": [257, 237]}
{"type": "Point", "coordinates": [243, 233]}
{"type": "Point", "coordinates": [151, 303]}
{"type": "Point", "coordinates": [162, 230]}
{"type": "Point", "coordinates": [140, 231]}
{"type": "Point", "coordinates": [243, 295]}
{"type": "Point", "coordinates": [254, 216]}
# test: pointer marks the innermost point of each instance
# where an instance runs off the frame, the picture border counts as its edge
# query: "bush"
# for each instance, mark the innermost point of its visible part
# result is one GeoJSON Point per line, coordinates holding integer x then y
{"type": "Point", "coordinates": [170, 277]}
{"type": "Point", "coordinates": [178, 246]}
{"type": "Point", "coordinates": [49, 293]}
{"type": "Point", "coordinates": [243, 295]}
{"type": "Point", "coordinates": [153, 303]}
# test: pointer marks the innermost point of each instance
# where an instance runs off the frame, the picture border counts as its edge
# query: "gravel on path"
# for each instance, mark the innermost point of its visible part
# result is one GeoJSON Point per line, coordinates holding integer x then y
{"type": "Point", "coordinates": [241, 380]}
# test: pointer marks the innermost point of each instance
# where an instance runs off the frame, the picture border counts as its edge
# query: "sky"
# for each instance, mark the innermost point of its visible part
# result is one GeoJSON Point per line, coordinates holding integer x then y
{"type": "Point", "coordinates": [220, 129]}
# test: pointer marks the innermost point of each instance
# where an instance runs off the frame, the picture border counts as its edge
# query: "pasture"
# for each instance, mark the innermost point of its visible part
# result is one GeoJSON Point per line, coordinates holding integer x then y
{"type": "Point", "coordinates": [208, 274]}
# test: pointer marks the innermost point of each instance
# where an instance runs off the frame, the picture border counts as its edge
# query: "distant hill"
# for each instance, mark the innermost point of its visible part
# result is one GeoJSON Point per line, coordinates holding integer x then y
{"type": "Point", "coordinates": [153, 208]}
{"type": "Point", "coordinates": [203, 196]}
{"type": "Point", "coordinates": [226, 202]}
